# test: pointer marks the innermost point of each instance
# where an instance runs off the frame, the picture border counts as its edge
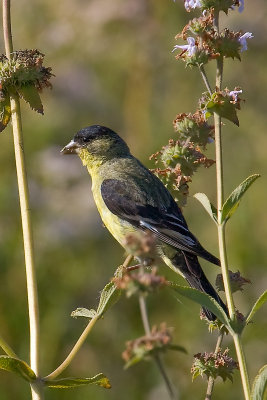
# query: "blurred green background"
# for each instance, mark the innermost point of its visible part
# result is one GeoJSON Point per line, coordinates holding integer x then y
{"type": "Point", "coordinates": [114, 66]}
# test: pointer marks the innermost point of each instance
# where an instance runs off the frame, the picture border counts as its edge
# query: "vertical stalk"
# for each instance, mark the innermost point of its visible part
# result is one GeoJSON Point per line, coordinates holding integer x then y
{"type": "Point", "coordinates": [25, 211]}
{"type": "Point", "coordinates": [221, 228]}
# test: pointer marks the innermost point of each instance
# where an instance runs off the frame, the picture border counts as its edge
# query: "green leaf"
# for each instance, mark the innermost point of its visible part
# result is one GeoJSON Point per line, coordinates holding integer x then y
{"type": "Point", "coordinates": [18, 367]}
{"type": "Point", "coordinates": [233, 200]}
{"type": "Point", "coordinates": [5, 113]}
{"type": "Point", "coordinates": [31, 95]}
{"type": "Point", "coordinates": [68, 383]}
{"type": "Point", "coordinates": [222, 105]}
{"type": "Point", "coordinates": [84, 312]}
{"type": "Point", "coordinates": [209, 207]}
{"type": "Point", "coordinates": [205, 301]}
{"type": "Point", "coordinates": [260, 384]}
{"type": "Point", "coordinates": [109, 296]}
{"type": "Point", "coordinates": [136, 359]}
{"type": "Point", "coordinates": [261, 300]}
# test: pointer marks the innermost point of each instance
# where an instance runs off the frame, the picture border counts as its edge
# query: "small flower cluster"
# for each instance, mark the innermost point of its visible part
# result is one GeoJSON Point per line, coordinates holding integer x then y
{"type": "Point", "coordinates": [180, 159]}
{"type": "Point", "coordinates": [140, 282]}
{"type": "Point", "coordinates": [218, 5]}
{"type": "Point", "coordinates": [142, 245]}
{"type": "Point", "coordinates": [145, 346]}
{"type": "Point", "coordinates": [214, 365]}
{"type": "Point", "coordinates": [236, 280]}
{"type": "Point", "coordinates": [213, 325]}
{"type": "Point", "coordinates": [194, 128]}
{"type": "Point", "coordinates": [25, 75]}
{"type": "Point", "coordinates": [204, 41]}
{"type": "Point", "coordinates": [223, 102]}
{"type": "Point", "coordinates": [207, 43]}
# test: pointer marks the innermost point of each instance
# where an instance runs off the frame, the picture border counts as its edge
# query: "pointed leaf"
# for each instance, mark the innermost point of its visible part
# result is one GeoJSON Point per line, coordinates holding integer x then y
{"type": "Point", "coordinates": [18, 367]}
{"type": "Point", "coordinates": [5, 113]}
{"type": "Point", "coordinates": [233, 200]}
{"type": "Point", "coordinates": [68, 383]}
{"type": "Point", "coordinates": [109, 296]}
{"type": "Point", "coordinates": [205, 301]}
{"type": "Point", "coordinates": [261, 300]}
{"type": "Point", "coordinates": [31, 95]}
{"type": "Point", "coordinates": [224, 107]}
{"type": "Point", "coordinates": [84, 312]}
{"type": "Point", "coordinates": [209, 207]}
{"type": "Point", "coordinates": [260, 384]}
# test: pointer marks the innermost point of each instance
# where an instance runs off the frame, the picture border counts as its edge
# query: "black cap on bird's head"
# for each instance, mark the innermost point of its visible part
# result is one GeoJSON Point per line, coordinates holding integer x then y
{"type": "Point", "coordinates": [96, 139]}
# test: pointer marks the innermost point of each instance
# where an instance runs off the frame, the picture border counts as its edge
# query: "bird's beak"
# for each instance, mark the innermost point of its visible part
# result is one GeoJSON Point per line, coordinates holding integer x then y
{"type": "Point", "coordinates": [70, 148]}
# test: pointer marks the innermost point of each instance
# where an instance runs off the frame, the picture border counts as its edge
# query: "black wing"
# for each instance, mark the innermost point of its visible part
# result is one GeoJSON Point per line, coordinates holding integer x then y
{"type": "Point", "coordinates": [134, 204]}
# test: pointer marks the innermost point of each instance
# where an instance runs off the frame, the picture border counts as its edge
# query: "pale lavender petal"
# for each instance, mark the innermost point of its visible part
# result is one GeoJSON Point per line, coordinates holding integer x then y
{"type": "Point", "coordinates": [243, 40]}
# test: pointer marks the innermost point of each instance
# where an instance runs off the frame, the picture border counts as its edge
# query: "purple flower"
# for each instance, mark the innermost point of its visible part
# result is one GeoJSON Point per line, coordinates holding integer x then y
{"type": "Point", "coordinates": [191, 4]}
{"type": "Point", "coordinates": [190, 48]}
{"type": "Point", "coordinates": [243, 40]}
{"type": "Point", "coordinates": [241, 5]}
{"type": "Point", "coordinates": [234, 94]}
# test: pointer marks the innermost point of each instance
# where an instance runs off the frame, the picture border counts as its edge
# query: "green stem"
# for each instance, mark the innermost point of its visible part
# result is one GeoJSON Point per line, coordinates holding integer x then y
{"type": "Point", "coordinates": [81, 339]}
{"type": "Point", "coordinates": [211, 379]}
{"type": "Point", "coordinates": [221, 229]}
{"type": "Point", "coordinates": [24, 206]}
{"type": "Point", "coordinates": [27, 233]}
{"type": "Point", "coordinates": [242, 366]}
{"type": "Point", "coordinates": [74, 350]}
{"type": "Point", "coordinates": [205, 78]}
{"type": "Point", "coordinates": [158, 360]}
{"type": "Point", "coordinates": [7, 349]}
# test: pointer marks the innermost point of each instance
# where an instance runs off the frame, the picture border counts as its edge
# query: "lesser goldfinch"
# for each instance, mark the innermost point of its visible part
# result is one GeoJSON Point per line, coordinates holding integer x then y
{"type": "Point", "coordinates": [131, 199]}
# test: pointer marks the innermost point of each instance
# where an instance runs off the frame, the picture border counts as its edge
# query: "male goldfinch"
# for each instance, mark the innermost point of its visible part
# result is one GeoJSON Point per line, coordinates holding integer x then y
{"type": "Point", "coordinates": [130, 199]}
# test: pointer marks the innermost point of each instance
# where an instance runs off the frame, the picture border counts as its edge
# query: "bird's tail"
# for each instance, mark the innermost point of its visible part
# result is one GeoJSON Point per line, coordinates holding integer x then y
{"type": "Point", "coordinates": [196, 278]}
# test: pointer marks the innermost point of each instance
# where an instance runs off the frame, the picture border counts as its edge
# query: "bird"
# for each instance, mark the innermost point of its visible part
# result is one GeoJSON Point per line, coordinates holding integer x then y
{"type": "Point", "coordinates": [132, 200]}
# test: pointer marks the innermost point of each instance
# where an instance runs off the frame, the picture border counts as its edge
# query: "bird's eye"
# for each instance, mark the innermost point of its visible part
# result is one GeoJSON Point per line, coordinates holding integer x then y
{"type": "Point", "coordinates": [84, 139]}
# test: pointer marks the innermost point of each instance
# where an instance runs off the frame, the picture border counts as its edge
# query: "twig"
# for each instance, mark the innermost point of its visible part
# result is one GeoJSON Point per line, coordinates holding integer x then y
{"type": "Point", "coordinates": [205, 78]}
{"type": "Point", "coordinates": [211, 379]}
{"type": "Point", "coordinates": [24, 206]}
{"type": "Point", "coordinates": [74, 350]}
{"type": "Point", "coordinates": [158, 360]}
{"type": "Point", "coordinates": [81, 339]}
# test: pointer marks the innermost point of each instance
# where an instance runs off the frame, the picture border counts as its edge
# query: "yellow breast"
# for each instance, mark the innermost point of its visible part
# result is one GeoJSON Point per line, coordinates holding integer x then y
{"type": "Point", "coordinates": [116, 226]}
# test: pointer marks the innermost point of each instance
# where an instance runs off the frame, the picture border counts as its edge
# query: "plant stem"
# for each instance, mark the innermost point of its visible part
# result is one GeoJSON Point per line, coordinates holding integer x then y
{"type": "Point", "coordinates": [24, 203]}
{"type": "Point", "coordinates": [205, 78]}
{"type": "Point", "coordinates": [81, 339]}
{"type": "Point", "coordinates": [158, 360]}
{"type": "Point", "coordinates": [74, 350]}
{"type": "Point", "coordinates": [221, 228]}
{"type": "Point", "coordinates": [211, 379]}
{"type": "Point", "coordinates": [7, 349]}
